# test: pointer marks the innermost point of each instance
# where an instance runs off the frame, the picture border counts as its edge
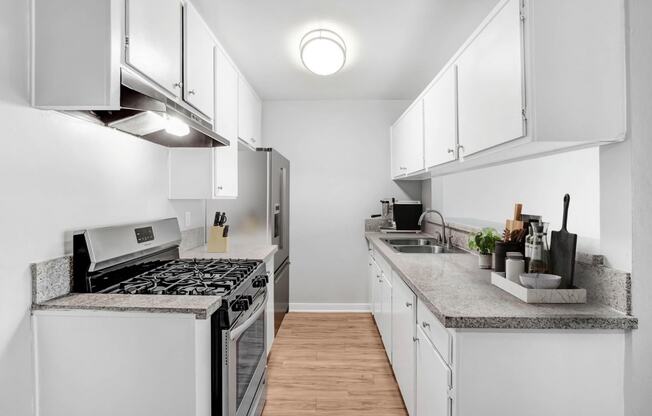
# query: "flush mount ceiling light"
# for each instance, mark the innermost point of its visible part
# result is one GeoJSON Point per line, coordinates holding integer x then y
{"type": "Point", "coordinates": [323, 52]}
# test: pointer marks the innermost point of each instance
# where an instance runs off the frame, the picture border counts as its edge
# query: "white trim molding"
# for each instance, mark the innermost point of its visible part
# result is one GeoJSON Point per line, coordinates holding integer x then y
{"type": "Point", "coordinates": [330, 307]}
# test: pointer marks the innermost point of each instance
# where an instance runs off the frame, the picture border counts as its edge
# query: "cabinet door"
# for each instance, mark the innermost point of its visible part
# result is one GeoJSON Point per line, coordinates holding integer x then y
{"type": "Point", "coordinates": [386, 315]}
{"type": "Point", "coordinates": [226, 125]}
{"type": "Point", "coordinates": [403, 341]}
{"type": "Point", "coordinates": [198, 50]}
{"type": "Point", "coordinates": [433, 380]}
{"type": "Point", "coordinates": [490, 78]}
{"type": "Point", "coordinates": [440, 120]}
{"type": "Point", "coordinates": [153, 28]}
{"type": "Point", "coordinates": [407, 141]}
{"type": "Point", "coordinates": [249, 114]}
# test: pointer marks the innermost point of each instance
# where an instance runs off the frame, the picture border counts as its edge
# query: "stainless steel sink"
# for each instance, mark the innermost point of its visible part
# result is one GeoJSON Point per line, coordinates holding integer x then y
{"type": "Point", "coordinates": [426, 249]}
{"type": "Point", "coordinates": [418, 245]}
{"type": "Point", "coordinates": [410, 241]}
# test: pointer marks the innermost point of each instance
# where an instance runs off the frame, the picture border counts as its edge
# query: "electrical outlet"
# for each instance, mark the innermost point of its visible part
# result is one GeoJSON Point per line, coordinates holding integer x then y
{"type": "Point", "coordinates": [188, 218]}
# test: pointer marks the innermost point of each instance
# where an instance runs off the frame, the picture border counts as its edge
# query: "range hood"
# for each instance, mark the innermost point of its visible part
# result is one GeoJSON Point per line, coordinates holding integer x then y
{"type": "Point", "coordinates": [149, 114]}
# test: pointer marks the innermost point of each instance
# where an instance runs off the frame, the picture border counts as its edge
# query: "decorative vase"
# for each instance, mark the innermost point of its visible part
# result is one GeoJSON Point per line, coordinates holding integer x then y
{"type": "Point", "coordinates": [484, 261]}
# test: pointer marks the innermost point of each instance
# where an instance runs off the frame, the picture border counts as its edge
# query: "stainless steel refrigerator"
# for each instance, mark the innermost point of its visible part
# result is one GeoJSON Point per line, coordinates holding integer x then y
{"type": "Point", "coordinates": [261, 214]}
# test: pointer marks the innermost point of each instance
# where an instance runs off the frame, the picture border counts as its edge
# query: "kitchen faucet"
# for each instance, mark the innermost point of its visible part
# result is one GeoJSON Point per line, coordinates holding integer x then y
{"type": "Point", "coordinates": [443, 223]}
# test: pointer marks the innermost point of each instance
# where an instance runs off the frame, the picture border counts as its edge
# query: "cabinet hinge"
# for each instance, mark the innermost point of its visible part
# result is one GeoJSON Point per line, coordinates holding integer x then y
{"type": "Point", "coordinates": [451, 394]}
{"type": "Point", "coordinates": [524, 116]}
{"type": "Point", "coordinates": [522, 10]}
{"type": "Point", "coordinates": [126, 41]}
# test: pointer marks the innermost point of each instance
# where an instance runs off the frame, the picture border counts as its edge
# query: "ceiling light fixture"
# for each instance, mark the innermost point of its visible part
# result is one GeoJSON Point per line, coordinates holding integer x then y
{"type": "Point", "coordinates": [323, 52]}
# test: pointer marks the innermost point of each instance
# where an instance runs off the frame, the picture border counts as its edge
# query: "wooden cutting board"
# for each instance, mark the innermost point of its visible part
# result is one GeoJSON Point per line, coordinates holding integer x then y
{"type": "Point", "coordinates": [516, 222]}
{"type": "Point", "coordinates": [563, 246]}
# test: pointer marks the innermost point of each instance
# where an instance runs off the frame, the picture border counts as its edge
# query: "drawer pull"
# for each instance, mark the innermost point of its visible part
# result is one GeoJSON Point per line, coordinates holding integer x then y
{"type": "Point", "coordinates": [408, 304]}
{"type": "Point", "coordinates": [415, 339]}
{"type": "Point", "coordinates": [425, 324]}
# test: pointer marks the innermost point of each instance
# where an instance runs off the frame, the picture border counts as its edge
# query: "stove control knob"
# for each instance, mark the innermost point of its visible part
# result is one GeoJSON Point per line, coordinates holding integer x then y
{"type": "Point", "coordinates": [240, 305]}
{"type": "Point", "coordinates": [260, 281]}
{"type": "Point", "coordinates": [249, 299]}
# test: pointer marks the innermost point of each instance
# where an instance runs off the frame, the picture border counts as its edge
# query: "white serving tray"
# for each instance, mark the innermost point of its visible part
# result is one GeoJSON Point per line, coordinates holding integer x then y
{"type": "Point", "coordinates": [575, 295]}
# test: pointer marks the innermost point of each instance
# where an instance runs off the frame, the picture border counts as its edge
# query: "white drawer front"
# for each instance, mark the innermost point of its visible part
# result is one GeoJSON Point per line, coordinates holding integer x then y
{"type": "Point", "coordinates": [438, 335]}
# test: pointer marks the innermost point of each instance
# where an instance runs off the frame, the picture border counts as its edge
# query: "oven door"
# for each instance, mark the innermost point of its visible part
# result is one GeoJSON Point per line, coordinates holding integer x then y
{"type": "Point", "coordinates": [244, 367]}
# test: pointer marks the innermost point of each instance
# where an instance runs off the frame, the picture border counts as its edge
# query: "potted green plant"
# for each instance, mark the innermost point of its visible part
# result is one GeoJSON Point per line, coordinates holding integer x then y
{"type": "Point", "coordinates": [484, 243]}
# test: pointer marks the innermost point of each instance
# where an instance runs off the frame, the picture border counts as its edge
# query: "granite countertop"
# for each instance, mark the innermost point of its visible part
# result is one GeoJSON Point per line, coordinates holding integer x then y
{"type": "Point", "coordinates": [236, 251]}
{"type": "Point", "coordinates": [201, 306]}
{"type": "Point", "coordinates": [461, 295]}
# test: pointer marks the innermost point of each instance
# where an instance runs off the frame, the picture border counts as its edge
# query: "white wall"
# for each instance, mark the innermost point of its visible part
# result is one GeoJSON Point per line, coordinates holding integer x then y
{"type": "Point", "coordinates": [638, 388]}
{"type": "Point", "coordinates": [339, 155]}
{"type": "Point", "coordinates": [489, 194]}
{"type": "Point", "coordinates": [57, 174]}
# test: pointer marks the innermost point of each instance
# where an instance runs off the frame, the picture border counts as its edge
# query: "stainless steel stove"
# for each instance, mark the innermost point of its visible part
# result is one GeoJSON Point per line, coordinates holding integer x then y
{"type": "Point", "coordinates": [143, 259]}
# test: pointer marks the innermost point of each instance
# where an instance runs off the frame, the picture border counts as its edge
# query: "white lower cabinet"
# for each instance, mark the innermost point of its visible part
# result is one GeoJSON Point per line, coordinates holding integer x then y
{"type": "Point", "coordinates": [434, 380]}
{"type": "Point", "coordinates": [385, 324]}
{"type": "Point", "coordinates": [403, 341]}
{"type": "Point", "coordinates": [269, 307]}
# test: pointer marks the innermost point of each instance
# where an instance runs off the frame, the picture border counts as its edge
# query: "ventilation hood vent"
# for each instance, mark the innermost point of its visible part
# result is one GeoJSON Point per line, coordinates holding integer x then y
{"type": "Point", "coordinates": [147, 113]}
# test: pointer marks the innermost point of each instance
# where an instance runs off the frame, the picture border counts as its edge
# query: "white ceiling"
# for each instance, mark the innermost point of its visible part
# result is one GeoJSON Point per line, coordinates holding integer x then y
{"type": "Point", "coordinates": [395, 47]}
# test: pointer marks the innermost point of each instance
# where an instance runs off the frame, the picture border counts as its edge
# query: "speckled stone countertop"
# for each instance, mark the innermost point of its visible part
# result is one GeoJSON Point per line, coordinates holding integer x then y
{"type": "Point", "coordinates": [236, 251]}
{"type": "Point", "coordinates": [461, 295]}
{"type": "Point", "coordinates": [201, 306]}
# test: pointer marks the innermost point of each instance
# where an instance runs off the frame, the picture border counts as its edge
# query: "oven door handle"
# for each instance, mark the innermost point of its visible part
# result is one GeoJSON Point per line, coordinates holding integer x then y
{"type": "Point", "coordinates": [240, 329]}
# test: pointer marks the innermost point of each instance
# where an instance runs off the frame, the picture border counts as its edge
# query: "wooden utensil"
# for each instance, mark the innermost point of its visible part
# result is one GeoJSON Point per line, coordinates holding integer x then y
{"type": "Point", "coordinates": [515, 223]}
{"type": "Point", "coordinates": [562, 251]}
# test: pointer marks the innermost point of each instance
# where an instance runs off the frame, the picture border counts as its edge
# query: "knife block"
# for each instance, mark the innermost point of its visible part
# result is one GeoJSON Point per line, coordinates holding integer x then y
{"type": "Point", "coordinates": [217, 243]}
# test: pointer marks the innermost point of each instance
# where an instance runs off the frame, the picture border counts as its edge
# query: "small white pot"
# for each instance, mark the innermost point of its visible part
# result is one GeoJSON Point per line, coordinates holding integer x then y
{"type": "Point", "coordinates": [484, 261]}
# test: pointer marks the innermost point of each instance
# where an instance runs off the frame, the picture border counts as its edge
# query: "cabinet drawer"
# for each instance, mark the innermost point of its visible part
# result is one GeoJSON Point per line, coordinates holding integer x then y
{"type": "Point", "coordinates": [438, 335]}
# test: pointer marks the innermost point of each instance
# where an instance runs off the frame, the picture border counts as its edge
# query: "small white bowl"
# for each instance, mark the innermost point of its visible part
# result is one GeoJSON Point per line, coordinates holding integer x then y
{"type": "Point", "coordinates": [540, 280]}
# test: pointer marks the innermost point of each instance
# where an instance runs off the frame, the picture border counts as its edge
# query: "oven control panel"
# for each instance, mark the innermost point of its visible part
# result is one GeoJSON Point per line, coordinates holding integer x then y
{"type": "Point", "coordinates": [144, 234]}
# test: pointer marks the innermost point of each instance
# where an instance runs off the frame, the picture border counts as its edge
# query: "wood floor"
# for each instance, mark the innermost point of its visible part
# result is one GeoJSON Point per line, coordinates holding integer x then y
{"type": "Point", "coordinates": [330, 364]}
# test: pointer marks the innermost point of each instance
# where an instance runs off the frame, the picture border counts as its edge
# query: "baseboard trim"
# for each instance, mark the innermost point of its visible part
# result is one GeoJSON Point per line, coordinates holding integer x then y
{"type": "Point", "coordinates": [330, 307]}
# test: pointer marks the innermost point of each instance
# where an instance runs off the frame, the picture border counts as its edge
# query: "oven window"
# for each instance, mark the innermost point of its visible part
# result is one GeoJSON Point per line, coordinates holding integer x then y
{"type": "Point", "coordinates": [250, 350]}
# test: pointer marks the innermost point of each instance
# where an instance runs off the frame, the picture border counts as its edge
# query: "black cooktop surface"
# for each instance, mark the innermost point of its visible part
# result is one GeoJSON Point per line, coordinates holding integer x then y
{"type": "Point", "coordinates": [188, 277]}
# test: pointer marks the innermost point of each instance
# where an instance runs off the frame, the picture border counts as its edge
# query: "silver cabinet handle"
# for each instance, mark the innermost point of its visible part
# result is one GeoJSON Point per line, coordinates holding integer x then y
{"type": "Point", "coordinates": [425, 324]}
{"type": "Point", "coordinates": [403, 168]}
{"type": "Point", "coordinates": [220, 188]}
{"type": "Point", "coordinates": [415, 339]}
{"type": "Point", "coordinates": [191, 92]}
{"type": "Point", "coordinates": [408, 304]}
{"type": "Point", "coordinates": [451, 150]}
{"type": "Point", "coordinates": [178, 84]}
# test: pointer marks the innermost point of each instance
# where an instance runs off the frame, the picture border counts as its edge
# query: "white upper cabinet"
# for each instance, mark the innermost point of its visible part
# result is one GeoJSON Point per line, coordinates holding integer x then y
{"type": "Point", "coordinates": [407, 142]}
{"type": "Point", "coordinates": [226, 125]}
{"type": "Point", "coordinates": [198, 85]}
{"type": "Point", "coordinates": [490, 78]}
{"type": "Point", "coordinates": [440, 120]}
{"type": "Point", "coordinates": [153, 29]}
{"type": "Point", "coordinates": [249, 114]}
{"type": "Point", "coordinates": [537, 76]}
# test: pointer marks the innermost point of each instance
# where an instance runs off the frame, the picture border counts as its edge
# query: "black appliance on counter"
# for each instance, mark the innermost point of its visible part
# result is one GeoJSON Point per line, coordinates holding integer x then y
{"type": "Point", "coordinates": [144, 259]}
{"type": "Point", "coordinates": [406, 215]}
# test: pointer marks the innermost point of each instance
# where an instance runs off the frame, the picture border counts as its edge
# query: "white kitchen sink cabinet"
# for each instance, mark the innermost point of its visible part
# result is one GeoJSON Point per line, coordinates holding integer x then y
{"type": "Point", "coordinates": [249, 115]}
{"type": "Point", "coordinates": [226, 125]}
{"type": "Point", "coordinates": [407, 142]}
{"type": "Point", "coordinates": [403, 319]}
{"type": "Point", "coordinates": [154, 36]}
{"type": "Point", "coordinates": [440, 119]}
{"type": "Point", "coordinates": [536, 77]}
{"type": "Point", "coordinates": [199, 74]}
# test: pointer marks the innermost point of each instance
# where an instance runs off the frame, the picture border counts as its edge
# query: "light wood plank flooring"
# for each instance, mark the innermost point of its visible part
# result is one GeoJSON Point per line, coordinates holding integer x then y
{"type": "Point", "coordinates": [330, 364]}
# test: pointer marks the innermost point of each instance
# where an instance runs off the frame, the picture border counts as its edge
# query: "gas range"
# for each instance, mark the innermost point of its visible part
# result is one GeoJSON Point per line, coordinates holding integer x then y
{"type": "Point", "coordinates": [143, 259]}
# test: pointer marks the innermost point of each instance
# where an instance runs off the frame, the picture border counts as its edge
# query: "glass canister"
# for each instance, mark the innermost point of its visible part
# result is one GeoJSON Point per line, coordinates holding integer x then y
{"type": "Point", "coordinates": [538, 249]}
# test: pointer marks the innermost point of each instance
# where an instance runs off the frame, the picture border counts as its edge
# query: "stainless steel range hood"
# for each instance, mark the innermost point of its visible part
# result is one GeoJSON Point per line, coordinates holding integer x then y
{"type": "Point", "coordinates": [147, 113]}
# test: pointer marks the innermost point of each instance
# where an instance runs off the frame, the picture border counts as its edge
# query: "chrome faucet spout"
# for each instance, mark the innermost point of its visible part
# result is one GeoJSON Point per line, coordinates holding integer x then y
{"type": "Point", "coordinates": [443, 223]}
